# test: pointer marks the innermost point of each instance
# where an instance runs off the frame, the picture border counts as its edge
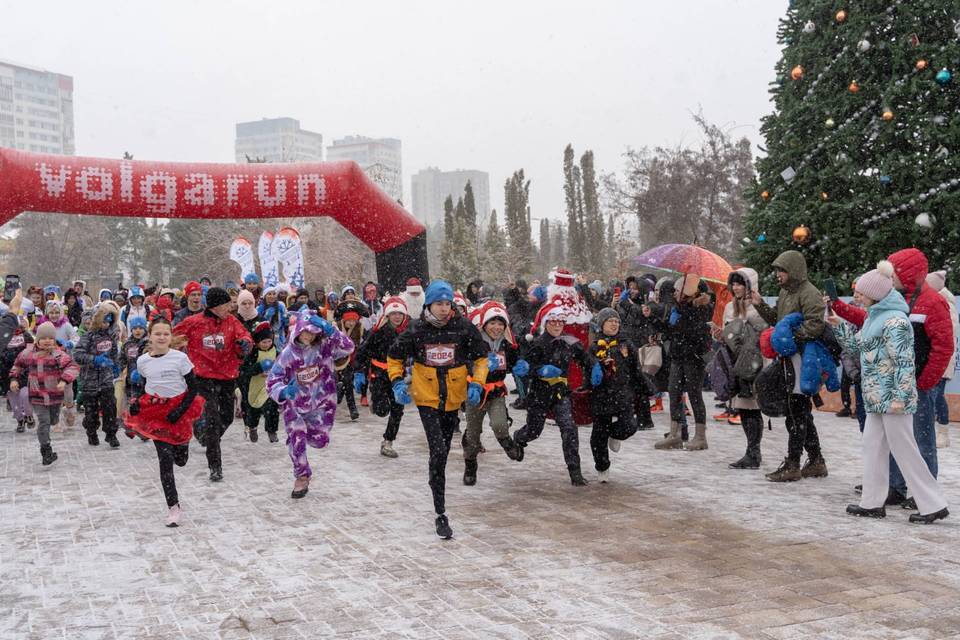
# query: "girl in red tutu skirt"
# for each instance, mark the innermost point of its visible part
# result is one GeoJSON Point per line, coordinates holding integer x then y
{"type": "Point", "coordinates": [169, 406]}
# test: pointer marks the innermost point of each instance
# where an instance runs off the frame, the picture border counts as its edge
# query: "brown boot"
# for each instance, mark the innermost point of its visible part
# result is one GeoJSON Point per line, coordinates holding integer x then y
{"type": "Point", "coordinates": [789, 471]}
{"type": "Point", "coordinates": [672, 441]}
{"type": "Point", "coordinates": [699, 441]}
{"type": "Point", "coordinates": [814, 468]}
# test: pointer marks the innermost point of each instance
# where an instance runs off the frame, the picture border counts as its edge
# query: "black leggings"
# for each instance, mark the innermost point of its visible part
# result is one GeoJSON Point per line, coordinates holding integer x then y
{"type": "Point", "coordinates": [217, 413]}
{"type": "Point", "coordinates": [169, 455]}
{"type": "Point", "coordinates": [686, 375]}
{"type": "Point", "coordinates": [439, 427]}
{"type": "Point", "coordinates": [605, 428]}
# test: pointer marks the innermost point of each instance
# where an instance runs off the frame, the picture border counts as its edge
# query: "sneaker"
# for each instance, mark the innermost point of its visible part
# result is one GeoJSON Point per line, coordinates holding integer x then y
{"type": "Point", "coordinates": [603, 476]}
{"type": "Point", "coordinates": [929, 518]}
{"type": "Point", "coordinates": [614, 444]}
{"type": "Point", "coordinates": [814, 468]}
{"type": "Point", "coordinates": [734, 420]}
{"type": "Point", "coordinates": [111, 439]}
{"type": "Point", "coordinates": [858, 489]}
{"type": "Point", "coordinates": [216, 474]}
{"type": "Point", "coordinates": [720, 417]}
{"type": "Point", "coordinates": [843, 413]}
{"type": "Point", "coordinates": [20, 426]}
{"type": "Point", "coordinates": [272, 436]}
{"type": "Point", "coordinates": [30, 422]}
{"type": "Point", "coordinates": [387, 451]}
{"type": "Point", "coordinates": [93, 439]}
{"type": "Point", "coordinates": [173, 516]}
{"type": "Point", "coordinates": [857, 510]}
{"type": "Point", "coordinates": [354, 416]}
{"type": "Point", "coordinates": [443, 528]}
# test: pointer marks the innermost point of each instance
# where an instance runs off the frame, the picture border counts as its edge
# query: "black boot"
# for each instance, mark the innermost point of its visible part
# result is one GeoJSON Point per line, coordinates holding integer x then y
{"type": "Point", "coordinates": [20, 425]}
{"type": "Point", "coordinates": [252, 434]}
{"type": "Point", "coordinates": [751, 459]}
{"type": "Point", "coordinates": [929, 518]}
{"type": "Point", "coordinates": [272, 435]}
{"type": "Point", "coordinates": [47, 454]}
{"type": "Point", "coordinates": [520, 447]}
{"type": "Point", "coordinates": [443, 528]}
{"type": "Point", "coordinates": [93, 439]}
{"type": "Point", "coordinates": [111, 439]}
{"type": "Point", "coordinates": [857, 510]}
{"type": "Point", "coordinates": [470, 472]}
{"type": "Point", "coordinates": [577, 479]}
{"type": "Point", "coordinates": [216, 474]}
{"type": "Point", "coordinates": [510, 447]}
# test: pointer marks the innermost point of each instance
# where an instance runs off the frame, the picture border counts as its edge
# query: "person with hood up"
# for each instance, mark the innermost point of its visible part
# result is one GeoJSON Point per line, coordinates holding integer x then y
{"type": "Point", "coordinates": [193, 291]}
{"type": "Point", "coordinates": [216, 344]}
{"type": "Point", "coordinates": [473, 292]}
{"type": "Point", "coordinates": [938, 281]}
{"type": "Point", "coordinates": [251, 283]}
{"type": "Point", "coordinates": [274, 311]}
{"type": "Point", "coordinates": [885, 345]}
{"type": "Point", "coordinates": [136, 308]}
{"type": "Point", "coordinates": [73, 307]}
{"type": "Point", "coordinates": [503, 358]}
{"type": "Point", "coordinates": [347, 320]}
{"type": "Point", "coordinates": [612, 399]}
{"type": "Point", "coordinates": [303, 382]}
{"type": "Point", "coordinates": [933, 342]}
{"type": "Point", "coordinates": [797, 295]}
{"type": "Point", "coordinates": [370, 365]}
{"type": "Point", "coordinates": [253, 382]}
{"type": "Point", "coordinates": [413, 297]}
{"type": "Point", "coordinates": [742, 326]}
{"type": "Point", "coordinates": [247, 311]}
{"type": "Point", "coordinates": [98, 355]}
{"type": "Point", "coordinates": [441, 344]}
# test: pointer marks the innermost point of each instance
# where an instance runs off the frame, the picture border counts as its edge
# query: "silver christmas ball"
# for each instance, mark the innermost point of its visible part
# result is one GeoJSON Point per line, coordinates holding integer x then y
{"type": "Point", "coordinates": [863, 46]}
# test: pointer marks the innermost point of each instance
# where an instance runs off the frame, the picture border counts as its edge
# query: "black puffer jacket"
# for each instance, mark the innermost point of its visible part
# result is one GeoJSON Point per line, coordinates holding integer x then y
{"type": "Point", "coordinates": [621, 375]}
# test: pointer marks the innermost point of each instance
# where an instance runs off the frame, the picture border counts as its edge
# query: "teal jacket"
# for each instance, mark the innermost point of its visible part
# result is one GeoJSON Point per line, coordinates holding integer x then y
{"type": "Point", "coordinates": [885, 345]}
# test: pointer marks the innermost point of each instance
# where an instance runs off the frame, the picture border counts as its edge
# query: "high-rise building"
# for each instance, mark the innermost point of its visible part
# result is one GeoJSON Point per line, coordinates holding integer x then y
{"type": "Point", "coordinates": [36, 109]}
{"type": "Point", "coordinates": [277, 140]}
{"type": "Point", "coordinates": [378, 157]}
{"type": "Point", "coordinates": [430, 187]}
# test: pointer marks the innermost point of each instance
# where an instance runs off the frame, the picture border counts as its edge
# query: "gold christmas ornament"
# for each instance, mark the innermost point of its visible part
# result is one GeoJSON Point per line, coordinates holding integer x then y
{"type": "Point", "coordinates": [887, 115]}
{"type": "Point", "coordinates": [824, 196]}
{"type": "Point", "coordinates": [801, 235]}
{"type": "Point", "coordinates": [765, 195]}
{"type": "Point", "coordinates": [797, 72]}
{"type": "Point", "coordinates": [921, 64]}
{"type": "Point", "coordinates": [841, 16]}
{"type": "Point", "coordinates": [854, 87]}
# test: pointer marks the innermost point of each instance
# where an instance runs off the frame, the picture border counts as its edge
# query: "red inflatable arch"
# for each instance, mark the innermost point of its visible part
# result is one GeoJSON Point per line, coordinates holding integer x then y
{"type": "Point", "coordinates": [98, 186]}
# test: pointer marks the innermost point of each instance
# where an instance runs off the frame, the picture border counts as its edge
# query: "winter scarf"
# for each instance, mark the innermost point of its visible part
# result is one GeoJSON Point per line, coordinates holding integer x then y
{"type": "Point", "coordinates": [432, 319]}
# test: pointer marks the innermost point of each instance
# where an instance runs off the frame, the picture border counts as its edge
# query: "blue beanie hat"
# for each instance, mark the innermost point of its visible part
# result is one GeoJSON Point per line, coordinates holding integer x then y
{"type": "Point", "coordinates": [138, 321]}
{"type": "Point", "coordinates": [436, 291]}
{"type": "Point", "coordinates": [251, 278]}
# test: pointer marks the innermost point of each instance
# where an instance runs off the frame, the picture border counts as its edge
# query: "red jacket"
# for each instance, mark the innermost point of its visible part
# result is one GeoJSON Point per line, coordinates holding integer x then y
{"type": "Point", "coordinates": [44, 372]}
{"type": "Point", "coordinates": [215, 346]}
{"type": "Point", "coordinates": [929, 315]}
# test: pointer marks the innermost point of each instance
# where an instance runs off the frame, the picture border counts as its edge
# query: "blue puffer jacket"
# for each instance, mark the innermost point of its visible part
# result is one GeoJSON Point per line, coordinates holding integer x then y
{"type": "Point", "coordinates": [817, 365]}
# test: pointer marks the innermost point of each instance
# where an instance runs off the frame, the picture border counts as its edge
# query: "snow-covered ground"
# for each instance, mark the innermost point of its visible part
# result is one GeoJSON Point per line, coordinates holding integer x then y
{"type": "Point", "coordinates": [676, 546]}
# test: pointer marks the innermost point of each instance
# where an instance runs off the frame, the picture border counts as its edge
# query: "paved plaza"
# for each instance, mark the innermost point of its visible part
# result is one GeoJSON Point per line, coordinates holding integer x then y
{"type": "Point", "coordinates": [676, 546]}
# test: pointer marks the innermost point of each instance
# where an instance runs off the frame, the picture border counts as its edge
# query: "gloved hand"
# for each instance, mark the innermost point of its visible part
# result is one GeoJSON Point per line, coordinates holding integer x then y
{"type": "Point", "coordinates": [266, 365]}
{"type": "Point", "coordinates": [522, 368]}
{"type": "Point", "coordinates": [322, 324]}
{"type": "Point", "coordinates": [493, 362]}
{"type": "Point", "coordinates": [596, 374]}
{"type": "Point", "coordinates": [674, 317]}
{"type": "Point", "coordinates": [474, 393]}
{"type": "Point", "coordinates": [135, 377]}
{"type": "Point", "coordinates": [108, 318]}
{"type": "Point", "coordinates": [359, 379]}
{"type": "Point", "coordinates": [290, 391]}
{"type": "Point", "coordinates": [103, 361]}
{"type": "Point", "coordinates": [549, 371]}
{"type": "Point", "coordinates": [135, 407]}
{"type": "Point", "coordinates": [66, 344]}
{"type": "Point", "coordinates": [245, 347]}
{"type": "Point", "coordinates": [400, 393]}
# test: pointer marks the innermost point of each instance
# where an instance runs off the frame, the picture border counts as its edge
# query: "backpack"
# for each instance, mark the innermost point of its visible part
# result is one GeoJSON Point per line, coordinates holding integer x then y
{"type": "Point", "coordinates": [774, 386]}
{"type": "Point", "coordinates": [722, 380]}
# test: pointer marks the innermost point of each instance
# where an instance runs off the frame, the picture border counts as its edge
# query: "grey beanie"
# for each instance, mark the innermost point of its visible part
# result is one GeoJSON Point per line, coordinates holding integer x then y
{"type": "Point", "coordinates": [606, 314]}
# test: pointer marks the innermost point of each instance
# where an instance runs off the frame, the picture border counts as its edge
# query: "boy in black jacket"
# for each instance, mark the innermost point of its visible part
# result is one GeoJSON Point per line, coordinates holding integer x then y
{"type": "Point", "coordinates": [253, 380]}
{"type": "Point", "coordinates": [549, 357]}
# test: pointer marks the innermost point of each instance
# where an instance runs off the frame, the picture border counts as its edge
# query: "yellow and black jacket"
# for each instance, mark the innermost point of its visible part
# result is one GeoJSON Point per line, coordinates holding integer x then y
{"type": "Point", "coordinates": [440, 356]}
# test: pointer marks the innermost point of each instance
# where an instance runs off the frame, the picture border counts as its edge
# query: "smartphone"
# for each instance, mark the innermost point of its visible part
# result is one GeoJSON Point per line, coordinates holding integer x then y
{"type": "Point", "coordinates": [830, 289]}
{"type": "Point", "coordinates": [10, 286]}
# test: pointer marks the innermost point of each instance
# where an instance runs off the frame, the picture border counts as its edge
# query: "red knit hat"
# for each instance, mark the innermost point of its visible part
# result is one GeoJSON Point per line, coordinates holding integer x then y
{"type": "Point", "coordinates": [394, 304]}
{"type": "Point", "coordinates": [191, 287]}
{"type": "Point", "coordinates": [350, 315]}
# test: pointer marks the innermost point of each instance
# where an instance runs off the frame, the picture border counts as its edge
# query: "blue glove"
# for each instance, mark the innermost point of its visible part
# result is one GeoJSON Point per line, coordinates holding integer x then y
{"type": "Point", "coordinates": [266, 365]}
{"type": "Point", "coordinates": [322, 324]}
{"type": "Point", "coordinates": [400, 393]}
{"type": "Point", "coordinates": [493, 362]}
{"type": "Point", "coordinates": [522, 368]}
{"type": "Point", "coordinates": [68, 345]}
{"type": "Point", "coordinates": [290, 391]}
{"type": "Point", "coordinates": [674, 317]}
{"type": "Point", "coordinates": [108, 318]}
{"type": "Point", "coordinates": [596, 374]}
{"type": "Point", "coordinates": [103, 361]}
{"type": "Point", "coordinates": [359, 379]}
{"type": "Point", "coordinates": [624, 295]}
{"type": "Point", "coordinates": [269, 313]}
{"type": "Point", "coordinates": [549, 371]}
{"type": "Point", "coordinates": [474, 393]}
{"type": "Point", "coordinates": [116, 371]}
{"type": "Point", "coordinates": [135, 377]}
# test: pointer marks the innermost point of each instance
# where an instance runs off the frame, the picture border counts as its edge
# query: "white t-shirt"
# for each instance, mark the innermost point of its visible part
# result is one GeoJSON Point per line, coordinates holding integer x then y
{"type": "Point", "coordinates": [164, 374]}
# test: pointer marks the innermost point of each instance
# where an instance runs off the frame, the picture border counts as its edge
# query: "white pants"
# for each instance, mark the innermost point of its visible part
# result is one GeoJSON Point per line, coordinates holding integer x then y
{"type": "Point", "coordinates": [886, 433]}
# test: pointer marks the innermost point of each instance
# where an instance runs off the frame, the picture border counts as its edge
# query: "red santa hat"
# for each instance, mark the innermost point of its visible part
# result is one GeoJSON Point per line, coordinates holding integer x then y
{"type": "Point", "coordinates": [562, 277]}
{"type": "Point", "coordinates": [491, 310]}
{"type": "Point", "coordinates": [459, 300]}
{"type": "Point", "coordinates": [394, 304]}
{"type": "Point", "coordinates": [550, 311]}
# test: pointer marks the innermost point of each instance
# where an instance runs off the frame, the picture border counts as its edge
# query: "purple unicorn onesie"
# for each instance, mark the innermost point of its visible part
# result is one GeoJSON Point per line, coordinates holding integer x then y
{"type": "Point", "coordinates": [303, 381]}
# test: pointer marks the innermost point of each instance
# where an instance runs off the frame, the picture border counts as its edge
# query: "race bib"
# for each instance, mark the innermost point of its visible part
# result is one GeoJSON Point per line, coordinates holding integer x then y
{"type": "Point", "coordinates": [308, 374]}
{"type": "Point", "coordinates": [104, 346]}
{"type": "Point", "coordinates": [501, 362]}
{"type": "Point", "coordinates": [133, 352]}
{"type": "Point", "coordinates": [214, 341]}
{"type": "Point", "coordinates": [16, 341]}
{"type": "Point", "coordinates": [439, 355]}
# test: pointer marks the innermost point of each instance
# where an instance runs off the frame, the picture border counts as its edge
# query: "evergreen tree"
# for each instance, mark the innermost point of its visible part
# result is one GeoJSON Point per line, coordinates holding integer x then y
{"type": "Point", "coordinates": [862, 141]}
{"type": "Point", "coordinates": [573, 194]}
{"type": "Point", "coordinates": [448, 219]}
{"type": "Point", "coordinates": [559, 246]}
{"type": "Point", "coordinates": [592, 218]}
{"type": "Point", "coordinates": [610, 249]}
{"type": "Point", "coordinates": [495, 251]}
{"type": "Point", "coordinates": [517, 215]}
{"type": "Point", "coordinates": [545, 254]}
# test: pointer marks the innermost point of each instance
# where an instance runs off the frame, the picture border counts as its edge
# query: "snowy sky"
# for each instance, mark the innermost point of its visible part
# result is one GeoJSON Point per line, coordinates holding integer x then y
{"type": "Point", "coordinates": [494, 85]}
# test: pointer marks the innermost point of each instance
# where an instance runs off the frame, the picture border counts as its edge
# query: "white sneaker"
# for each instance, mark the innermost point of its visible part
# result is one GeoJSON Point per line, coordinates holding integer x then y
{"type": "Point", "coordinates": [173, 517]}
{"type": "Point", "coordinates": [604, 476]}
{"type": "Point", "coordinates": [943, 436]}
{"type": "Point", "coordinates": [614, 444]}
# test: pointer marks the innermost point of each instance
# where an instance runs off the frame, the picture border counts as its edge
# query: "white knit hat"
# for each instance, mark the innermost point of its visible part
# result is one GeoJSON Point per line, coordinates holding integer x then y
{"type": "Point", "coordinates": [937, 280]}
{"type": "Point", "coordinates": [877, 284]}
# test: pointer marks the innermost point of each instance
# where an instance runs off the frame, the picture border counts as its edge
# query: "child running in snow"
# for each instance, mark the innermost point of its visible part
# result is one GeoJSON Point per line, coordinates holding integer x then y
{"type": "Point", "coordinates": [49, 370]}
{"type": "Point", "coordinates": [20, 399]}
{"type": "Point", "coordinates": [167, 409]}
{"type": "Point", "coordinates": [99, 357]}
{"type": "Point", "coordinates": [253, 378]}
{"type": "Point", "coordinates": [131, 350]}
{"type": "Point", "coordinates": [347, 317]}
{"type": "Point", "coordinates": [67, 339]}
{"type": "Point", "coordinates": [303, 382]}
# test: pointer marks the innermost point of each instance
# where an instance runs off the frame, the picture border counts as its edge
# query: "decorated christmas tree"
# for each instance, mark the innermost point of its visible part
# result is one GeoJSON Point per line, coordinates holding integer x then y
{"type": "Point", "coordinates": [863, 145]}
